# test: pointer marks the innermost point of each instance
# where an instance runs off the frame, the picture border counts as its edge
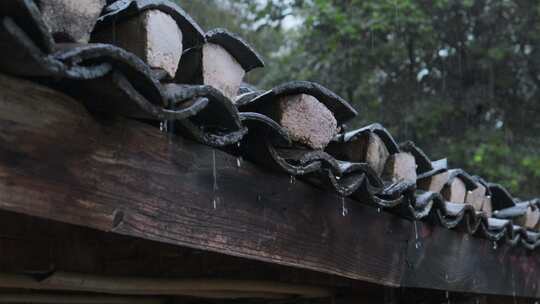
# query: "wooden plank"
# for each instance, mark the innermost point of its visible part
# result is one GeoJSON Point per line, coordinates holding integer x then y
{"type": "Point", "coordinates": [33, 245]}
{"type": "Point", "coordinates": [453, 261]}
{"type": "Point", "coordinates": [60, 163]}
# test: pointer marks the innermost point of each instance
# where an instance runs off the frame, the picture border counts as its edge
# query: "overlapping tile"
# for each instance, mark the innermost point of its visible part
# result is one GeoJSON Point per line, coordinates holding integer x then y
{"type": "Point", "coordinates": [366, 164]}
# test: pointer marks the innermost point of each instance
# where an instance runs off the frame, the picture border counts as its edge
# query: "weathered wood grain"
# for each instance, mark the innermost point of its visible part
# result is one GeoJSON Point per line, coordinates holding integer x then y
{"type": "Point", "coordinates": [24, 240]}
{"type": "Point", "coordinates": [452, 261]}
{"type": "Point", "coordinates": [60, 163]}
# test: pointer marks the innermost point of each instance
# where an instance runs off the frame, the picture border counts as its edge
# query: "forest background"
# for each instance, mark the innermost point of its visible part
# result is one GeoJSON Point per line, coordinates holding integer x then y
{"type": "Point", "coordinates": [459, 78]}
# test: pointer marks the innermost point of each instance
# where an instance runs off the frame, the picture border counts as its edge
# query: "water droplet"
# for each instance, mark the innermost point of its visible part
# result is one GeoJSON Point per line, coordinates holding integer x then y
{"type": "Point", "coordinates": [379, 210]}
{"type": "Point", "coordinates": [259, 197]}
{"type": "Point", "coordinates": [344, 210]}
{"type": "Point", "coordinates": [162, 126]}
{"type": "Point", "coordinates": [239, 162]}
{"type": "Point", "coordinates": [214, 202]}
{"type": "Point", "coordinates": [292, 180]}
{"type": "Point", "coordinates": [448, 296]}
{"type": "Point", "coordinates": [494, 245]}
{"type": "Point", "coordinates": [372, 39]}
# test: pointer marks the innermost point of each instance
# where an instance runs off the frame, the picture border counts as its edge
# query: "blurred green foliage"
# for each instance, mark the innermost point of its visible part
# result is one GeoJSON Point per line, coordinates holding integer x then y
{"type": "Point", "coordinates": [460, 78]}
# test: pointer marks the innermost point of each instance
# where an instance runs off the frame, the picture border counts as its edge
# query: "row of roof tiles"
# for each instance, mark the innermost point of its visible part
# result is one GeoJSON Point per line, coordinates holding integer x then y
{"type": "Point", "coordinates": [366, 164]}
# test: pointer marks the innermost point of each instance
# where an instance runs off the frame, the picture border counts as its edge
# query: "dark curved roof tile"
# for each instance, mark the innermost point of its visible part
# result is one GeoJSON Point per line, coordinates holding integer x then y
{"type": "Point", "coordinates": [262, 103]}
{"type": "Point", "coordinates": [21, 55]}
{"type": "Point", "coordinates": [26, 14]}
{"type": "Point", "coordinates": [193, 35]}
{"type": "Point", "coordinates": [378, 129]}
{"type": "Point", "coordinates": [500, 197]}
{"type": "Point", "coordinates": [248, 58]}
{"type": "Point", "coordinates": [204, 114]}
{"type": "Point", "coordinates": [470, 182]}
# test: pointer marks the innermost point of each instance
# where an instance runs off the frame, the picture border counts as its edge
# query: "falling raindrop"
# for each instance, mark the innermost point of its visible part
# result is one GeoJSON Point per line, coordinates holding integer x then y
{"type": "Point", "coordinates": [372, 39]}
{"type": "Point", "coordinates": [215, 199]}
{"type": "Point", "coordinates": [514, 294]}
{"type": "Point", "coordinates": [396, 11]}
{"type": "Point", "coordinates": [447, 296]}
{"type": "Point", "coordinates": [344, 210]}
{"type": "Point", "coordinates": [292, 180]}
{"type": "Point", "coordinates": [494, 245]}
{"type": "Point", "coordinates": [379, 210]}
{"type": "Point", "coordinates": [162, 126]}
{"type": "Point", "coordinates": [417, 243]}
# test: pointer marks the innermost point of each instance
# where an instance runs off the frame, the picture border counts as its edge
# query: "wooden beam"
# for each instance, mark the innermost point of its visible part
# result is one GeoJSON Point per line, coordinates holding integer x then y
{"type": "Point", "coordinates": [74, 249]}
{"type": "Point", "coordinates": [452, 261]}
{"type": "Point", "coordinates": [144, 286]}
{"type": "Point", "coordinates": [60, 163]}
{"type": "Point", "coordinates": [45, 298]}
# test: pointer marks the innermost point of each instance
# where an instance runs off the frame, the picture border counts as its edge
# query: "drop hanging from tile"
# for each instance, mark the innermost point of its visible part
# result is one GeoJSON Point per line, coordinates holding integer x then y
{"type": "Point", "coordinates": [163, 126]}
{"type": "Point", "coordinates": [344, 209]}
{"type": "Point", "coordinates": [239, 159]}
{"type": "Point", "coordinates": [417, 242]}
{"type": "Point", "coordinates": [239, 162]}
